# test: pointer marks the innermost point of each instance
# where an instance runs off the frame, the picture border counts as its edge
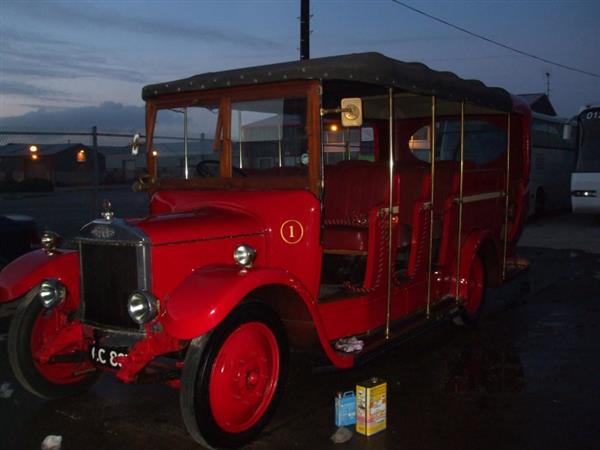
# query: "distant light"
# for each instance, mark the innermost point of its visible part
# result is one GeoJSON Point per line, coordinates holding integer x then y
{"type": "Point", "coordinates": [33, 148]}
{"type": "Point", "coordinates": [333, 127]}
{"type": "Point", "coordinates": [34, 156]}
{"type": "Point", "coordinates": [154, 153]}
{"type": "Point", "coordinates": [81, 156]}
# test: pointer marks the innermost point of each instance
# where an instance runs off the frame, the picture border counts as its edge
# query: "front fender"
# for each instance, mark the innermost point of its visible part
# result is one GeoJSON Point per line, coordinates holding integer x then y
{"type": "Point", "coordinates": [208, 295]}
{"type": "Point", "coordinates": [29, 270]}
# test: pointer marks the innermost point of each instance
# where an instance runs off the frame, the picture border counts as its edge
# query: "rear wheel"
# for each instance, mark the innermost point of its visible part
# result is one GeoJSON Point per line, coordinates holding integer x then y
{"type": "Point", "coordinates": [475, 291]}
{"type": "Point", "coordinates": [233, 380]}
{"type": "Point", "coordinates": [32, 327]}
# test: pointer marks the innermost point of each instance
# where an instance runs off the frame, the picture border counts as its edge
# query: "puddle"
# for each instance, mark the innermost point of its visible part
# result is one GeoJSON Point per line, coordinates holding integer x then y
{"type": "Point", "coordinates": [485, 368]}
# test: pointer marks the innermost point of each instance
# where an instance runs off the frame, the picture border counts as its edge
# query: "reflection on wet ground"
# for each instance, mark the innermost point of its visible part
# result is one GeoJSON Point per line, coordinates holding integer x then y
{"type": "Point", "coordinates": [524, 377]}
{"type": "Point", "coordinates": [485, 368]}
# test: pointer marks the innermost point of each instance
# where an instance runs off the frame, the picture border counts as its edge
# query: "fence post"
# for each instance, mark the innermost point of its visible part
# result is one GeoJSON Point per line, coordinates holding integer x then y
{"type": "Point", "coordinates": [95, 171]}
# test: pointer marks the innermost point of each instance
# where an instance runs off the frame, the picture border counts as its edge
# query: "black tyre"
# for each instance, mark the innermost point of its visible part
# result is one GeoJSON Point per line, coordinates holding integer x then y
{"type": "Point", "coordinates": [475, 292]}
{"type": "Point", "coordinates": [50, 380]}
{"type": "Point", "coordinates": [233, 378]}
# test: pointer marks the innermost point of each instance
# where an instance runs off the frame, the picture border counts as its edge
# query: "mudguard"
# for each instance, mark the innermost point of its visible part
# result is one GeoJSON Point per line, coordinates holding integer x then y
{"type": "Point", "coordinates": [470, 248]}
{"type": "Point", "coordinates": [208, 295]}
{"type": "Point", "coordinates": [17, 278]}
{"type": "Point", "coordinates": [205, 298]}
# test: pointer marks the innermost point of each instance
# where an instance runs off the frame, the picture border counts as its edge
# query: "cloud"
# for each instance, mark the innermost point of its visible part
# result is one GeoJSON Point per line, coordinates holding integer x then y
{"type": "Point", "coordinates": [41, 56]}
{"type": "Point", "coordinates": [155, 28]}
{"type": "Point", "coordinates": [29, 90]}
{"type": "Point", "coordinates": [107, 116]}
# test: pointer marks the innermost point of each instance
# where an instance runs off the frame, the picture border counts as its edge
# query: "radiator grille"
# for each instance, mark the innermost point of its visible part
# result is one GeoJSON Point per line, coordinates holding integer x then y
{"type": "Point", "coordinates": [109, 274]}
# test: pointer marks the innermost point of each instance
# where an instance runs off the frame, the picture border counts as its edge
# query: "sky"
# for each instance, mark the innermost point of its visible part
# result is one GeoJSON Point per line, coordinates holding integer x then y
{"type": "Point", "coordinates": [69, 65]}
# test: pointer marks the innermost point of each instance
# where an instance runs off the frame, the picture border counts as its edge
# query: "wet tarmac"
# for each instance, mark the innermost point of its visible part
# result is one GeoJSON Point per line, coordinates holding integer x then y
{"type": "Point", "coordinates": [527, 376]}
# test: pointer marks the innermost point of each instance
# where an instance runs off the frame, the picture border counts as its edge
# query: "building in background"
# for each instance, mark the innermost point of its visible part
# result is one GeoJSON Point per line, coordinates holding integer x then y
{"type": "Point", "coordinates": [60, 164]}
{"type": "Point", "coordinates": [539, 103]}
{"type": "Point", "coordinates": [72, 164]}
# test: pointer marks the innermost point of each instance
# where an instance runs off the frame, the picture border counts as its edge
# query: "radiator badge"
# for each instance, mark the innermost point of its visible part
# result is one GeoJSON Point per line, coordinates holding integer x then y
{"type": "Point", "coordinates": [103, 232]}
{"type": "Point", "coordinates": [106, 213]}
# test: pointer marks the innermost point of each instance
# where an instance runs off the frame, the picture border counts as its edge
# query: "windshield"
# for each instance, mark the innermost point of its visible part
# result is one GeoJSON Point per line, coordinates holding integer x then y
{"type": "Point", "coordinates": [589, 144]}
{"type": "Point", "coordinates": [266, 138]}
{"type": "Point", "coordinates": [183, 138]}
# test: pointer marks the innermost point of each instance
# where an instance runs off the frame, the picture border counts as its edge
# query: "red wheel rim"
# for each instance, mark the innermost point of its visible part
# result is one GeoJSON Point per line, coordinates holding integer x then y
{"type": "Point", "coordinates": [476, 286]}
{"type": "Point", "coordinates": [44, 329]}
{"type": "Point", "coordinates": [244, 376]}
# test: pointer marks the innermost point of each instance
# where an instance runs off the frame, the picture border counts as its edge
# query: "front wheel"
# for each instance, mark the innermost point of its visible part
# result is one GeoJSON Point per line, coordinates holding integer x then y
{"type": "Point", "coordinates": [31, 328]}
{"type": "Point", "coordinates": [233, 379]}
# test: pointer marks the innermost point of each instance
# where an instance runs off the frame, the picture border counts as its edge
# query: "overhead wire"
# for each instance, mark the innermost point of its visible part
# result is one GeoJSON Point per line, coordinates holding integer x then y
{"type": "Point", "coordinates": [491, 41]}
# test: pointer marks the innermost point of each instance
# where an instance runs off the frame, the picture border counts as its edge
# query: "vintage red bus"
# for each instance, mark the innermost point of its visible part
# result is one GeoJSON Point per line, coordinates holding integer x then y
{"type": "Point", "coordinates": [348, 196]}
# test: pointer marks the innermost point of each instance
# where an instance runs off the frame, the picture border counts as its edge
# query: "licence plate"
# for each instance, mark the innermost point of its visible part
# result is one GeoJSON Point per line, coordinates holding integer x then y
{"type": "Point", "coordinates": [106, 356]}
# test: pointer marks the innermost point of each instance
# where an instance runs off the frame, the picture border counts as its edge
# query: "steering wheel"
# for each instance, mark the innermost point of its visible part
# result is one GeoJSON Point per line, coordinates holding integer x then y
{"type": "Point", "coordinates": [209, 168]}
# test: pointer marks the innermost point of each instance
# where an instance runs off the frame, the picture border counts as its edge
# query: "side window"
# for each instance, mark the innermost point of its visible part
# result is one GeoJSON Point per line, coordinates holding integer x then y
{"type": "Point", "coordinates": [484, 141]}
{"type": "Point", "coordinates": [341, 143]}
{"type": "Point", "coordinates": [420, 143]}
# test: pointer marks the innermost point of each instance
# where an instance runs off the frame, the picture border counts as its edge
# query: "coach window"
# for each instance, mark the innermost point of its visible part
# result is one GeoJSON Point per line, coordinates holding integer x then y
{"type": "Point", "coordinates": [484, 141]}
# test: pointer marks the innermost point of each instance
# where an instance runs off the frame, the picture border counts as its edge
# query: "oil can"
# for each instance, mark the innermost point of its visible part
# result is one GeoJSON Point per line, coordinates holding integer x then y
{"type": "Point", "coordinates": [371, 403]}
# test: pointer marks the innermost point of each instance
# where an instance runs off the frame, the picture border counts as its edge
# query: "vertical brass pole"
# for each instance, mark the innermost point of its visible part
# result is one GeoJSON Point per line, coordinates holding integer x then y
{"type": "Point", "coordinates": [240, 137]}
{"type": "Point", "coordinates": [431, 204]}
{"type": "Point", "coordinates": [279, 144]}
{"type": "Point", "coordinates": [460, 198]}
{"type": "Point", "coordinates": [186, 171]}
{"type": "Point", "coordinates": [506, 196]}
{"type": "Point", "coordinates": [390, 211]}
{"type": "Point", "coordinates": [96, 171]}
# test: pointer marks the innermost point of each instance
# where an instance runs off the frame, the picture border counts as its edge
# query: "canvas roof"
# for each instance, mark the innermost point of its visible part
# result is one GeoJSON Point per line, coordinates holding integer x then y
{"type": "Point", "coordinates": [372, 68]}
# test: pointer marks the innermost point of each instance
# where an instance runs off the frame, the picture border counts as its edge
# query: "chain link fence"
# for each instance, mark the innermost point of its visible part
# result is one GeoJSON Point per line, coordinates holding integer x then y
{"type": "Point", "coordinates": [66, 158]}
{"type": "Point", "coordinates": [61, 177]}
{"type": "Point", "coordinates": [33, 159]}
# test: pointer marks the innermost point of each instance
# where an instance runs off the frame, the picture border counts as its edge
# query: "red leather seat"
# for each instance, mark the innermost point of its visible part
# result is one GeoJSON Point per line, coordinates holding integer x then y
{"type": "Point", "coordinates": [352, 190]}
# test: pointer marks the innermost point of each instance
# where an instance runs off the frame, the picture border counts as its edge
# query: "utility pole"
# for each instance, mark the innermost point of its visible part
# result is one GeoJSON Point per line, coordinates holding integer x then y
{"type": "Point", "coordinates": [95, 171]}
{"type": "Point", "coordinates": [548, 84]}
{"type": "Point", "coordinates": [304, 29]}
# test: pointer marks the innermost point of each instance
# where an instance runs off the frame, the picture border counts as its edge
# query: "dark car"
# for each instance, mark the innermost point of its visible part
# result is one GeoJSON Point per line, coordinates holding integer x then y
{"type": "Point", "coordinates": [18, 235]}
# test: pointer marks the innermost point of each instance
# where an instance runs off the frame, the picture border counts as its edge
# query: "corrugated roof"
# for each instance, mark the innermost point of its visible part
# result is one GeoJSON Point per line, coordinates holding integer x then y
{"type": "Point", "coordinates": [373, 68]}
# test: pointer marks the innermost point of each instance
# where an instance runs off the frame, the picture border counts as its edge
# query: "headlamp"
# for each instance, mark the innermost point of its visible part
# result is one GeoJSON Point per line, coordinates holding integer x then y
{"type": "Point", "coordinates": [142, 307]}
{"type": "Point", "coordinates": [244, 255]}
{"type": "Point", "coordinates": [52, 292]}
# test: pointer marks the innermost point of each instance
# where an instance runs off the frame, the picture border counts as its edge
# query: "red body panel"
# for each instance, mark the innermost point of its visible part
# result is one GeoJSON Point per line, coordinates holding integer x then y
{"type": "Point", "coordinates": [298, 253]}
{"type": "Point", "coordinates": [29, 270]}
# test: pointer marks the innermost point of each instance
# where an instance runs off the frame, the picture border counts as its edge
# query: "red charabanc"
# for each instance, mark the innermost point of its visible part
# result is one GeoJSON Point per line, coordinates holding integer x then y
{"type": "Point", "coordinates": [350, 196]}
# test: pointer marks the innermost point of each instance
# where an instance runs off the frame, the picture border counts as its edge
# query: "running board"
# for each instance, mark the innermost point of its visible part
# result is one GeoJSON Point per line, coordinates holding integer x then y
{"type": "Point", "coordinates": [405, 329]}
